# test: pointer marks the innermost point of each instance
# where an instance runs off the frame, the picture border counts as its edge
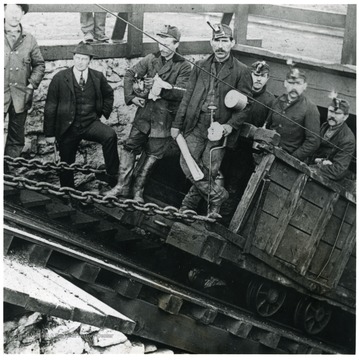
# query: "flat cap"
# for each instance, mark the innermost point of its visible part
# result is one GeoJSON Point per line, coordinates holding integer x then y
{"type": "Point", "coordinates": [170, 31]}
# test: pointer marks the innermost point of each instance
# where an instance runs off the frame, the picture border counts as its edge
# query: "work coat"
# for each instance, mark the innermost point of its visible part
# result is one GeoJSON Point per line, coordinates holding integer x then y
{"type": "Point", "coordinates": [155, 118]}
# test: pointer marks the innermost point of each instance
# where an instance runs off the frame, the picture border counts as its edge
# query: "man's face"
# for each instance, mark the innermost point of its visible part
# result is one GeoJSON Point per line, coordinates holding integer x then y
{"type": "Point", "coordinates": [171, 45]}
{"type": "Point", "coordinates": [81, 62]}
{"type": "Point", "coordinates": [336, 117]}
{"type": "Point", "coordinates": [259, 81]}
{"type": "Point", "coordinates": [295, 87]}
{"type": "Point", "coordinates": [13, 15]}
{"type": "Point", "coordinates": [222, 47]}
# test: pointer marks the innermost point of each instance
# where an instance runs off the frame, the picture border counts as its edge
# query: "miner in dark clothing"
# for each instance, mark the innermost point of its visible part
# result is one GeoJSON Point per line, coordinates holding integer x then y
{"type": "Point", "coordinates": [337, 146]}
{"type": "Point", "coordinates": [238, 164]}
{"type": "Point", "coordinates": [296, 118]}
{"type": "Point", "coordinates": [77, 98]}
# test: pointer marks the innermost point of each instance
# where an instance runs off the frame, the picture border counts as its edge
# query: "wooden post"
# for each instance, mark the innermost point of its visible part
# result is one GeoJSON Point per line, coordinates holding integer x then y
{"type": "Point", "coordinates": [226, 18]}
{"type": "Point", "coordinates": [135, 37]}
{"type": "Point", "coordinates": [119, 29]}
{"type": "Point", "coordinates": [241, 24]}
{"type": "Point", "coordinates": [349, 42]}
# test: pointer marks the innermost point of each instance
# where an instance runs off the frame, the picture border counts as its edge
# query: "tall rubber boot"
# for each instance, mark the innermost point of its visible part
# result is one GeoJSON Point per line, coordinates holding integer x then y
{"type": "Point", "coordinates": [142, 172]}
{"type": "Point", "coordinates": [127, 163]}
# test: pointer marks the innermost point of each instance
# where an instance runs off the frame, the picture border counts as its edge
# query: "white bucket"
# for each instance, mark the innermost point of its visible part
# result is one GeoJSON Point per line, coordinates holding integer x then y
{"type": "Point", "coordinates": [235, 100]}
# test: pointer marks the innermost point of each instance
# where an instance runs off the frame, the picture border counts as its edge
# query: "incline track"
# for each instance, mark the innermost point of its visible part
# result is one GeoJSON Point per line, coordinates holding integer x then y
{"type": "Point", "coordinates": [111, 262]}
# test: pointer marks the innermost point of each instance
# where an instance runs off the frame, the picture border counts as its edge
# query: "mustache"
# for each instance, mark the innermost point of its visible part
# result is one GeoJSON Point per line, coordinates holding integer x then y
{"type": "Point", "coordinates": [219, 50]}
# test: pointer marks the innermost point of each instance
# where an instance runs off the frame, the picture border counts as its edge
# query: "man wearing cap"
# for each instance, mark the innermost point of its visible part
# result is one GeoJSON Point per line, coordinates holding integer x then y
{"type": "Point", "coordinates": [163, 78]}
{"type": "Point", "coordinates": [209, 83]}
{"type": "Point", "coordinates": [77, 99]}
{"type": "Point", "coordinates": [337, 147]}
{"type": "Point", "coordinates": [24, 70]}
{"type": "Point", "coordinates": [296, 118]}
{"type": "Point", "coordinates": [238, 164]}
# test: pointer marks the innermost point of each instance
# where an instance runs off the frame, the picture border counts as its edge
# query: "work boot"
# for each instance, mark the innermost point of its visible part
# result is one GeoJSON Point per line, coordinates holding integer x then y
{"type": "Point", "coordinates": [191, 200]}
{"type": "Point", "coordinates": [215, 206]}
{"type": "Point", "coordinates": [142, 172]}
{"type": "Point", "coordinates": [127, 163]}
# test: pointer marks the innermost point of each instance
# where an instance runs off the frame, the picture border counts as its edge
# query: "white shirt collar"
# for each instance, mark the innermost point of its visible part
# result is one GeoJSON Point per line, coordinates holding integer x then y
{"type": "Point", "coordinates": [77, 74]}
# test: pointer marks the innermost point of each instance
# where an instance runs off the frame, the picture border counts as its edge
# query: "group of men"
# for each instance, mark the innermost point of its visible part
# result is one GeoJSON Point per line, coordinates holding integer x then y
{"type": "Point", "coordinates": [172, 98]}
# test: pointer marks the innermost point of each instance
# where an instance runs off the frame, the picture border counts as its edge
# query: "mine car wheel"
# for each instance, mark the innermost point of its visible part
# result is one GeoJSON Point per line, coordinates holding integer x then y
{"type": "Point", "coordinates": [264, 297]}
{"type": "Point", "coordinates": [312, 316]}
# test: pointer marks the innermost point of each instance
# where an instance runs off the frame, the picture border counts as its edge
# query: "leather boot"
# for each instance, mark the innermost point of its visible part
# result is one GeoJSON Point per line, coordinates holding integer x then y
{"type": "Point", "coordinates": [127, 163]}
{"type": "Point", "coordinates": [142, 172]}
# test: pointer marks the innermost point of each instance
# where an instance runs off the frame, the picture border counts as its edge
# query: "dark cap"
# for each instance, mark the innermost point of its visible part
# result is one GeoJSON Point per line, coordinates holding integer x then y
{"type": "Point", "coordinates": [221, 30]}
{"type": "Point", "coordinates": [84, 49]}
{"type": "Point", "coordinates": [260, 67]}
{"type": "Point", "coordinates": [340, 104]}
{"type": "Point", "coordinates": [295, 73]}
{"type": "Point", "coordinates": [24, 7]}
{"type": "Point", "coordinates": [170, 31]}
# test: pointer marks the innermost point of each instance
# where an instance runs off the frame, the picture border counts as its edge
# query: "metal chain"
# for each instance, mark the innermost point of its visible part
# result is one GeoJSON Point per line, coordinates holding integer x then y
{"type": "Point", "coordinates": [91, 197]}
{"type": "Point", "coordinates": [49, 165]}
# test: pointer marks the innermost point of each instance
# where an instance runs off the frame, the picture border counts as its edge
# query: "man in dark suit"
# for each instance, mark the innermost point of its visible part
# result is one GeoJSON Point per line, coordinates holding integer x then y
{"type": "Point", "coordinates": [76, 100]}
{"type": "Point", "coordinates": [206, 90]}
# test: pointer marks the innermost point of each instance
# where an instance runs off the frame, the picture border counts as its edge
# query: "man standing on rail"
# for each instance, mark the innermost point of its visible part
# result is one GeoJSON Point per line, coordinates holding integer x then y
{"type": "Point", "coordinates": [296, 118]}
{"type": "Point", "coordinates": [77, 98]}
{"type": "Point", "coordinates": [156, 85]}
{"type": "Point", "coordinates": [337, 147]}
{"type": "Point", "coordinates": [211, 79]}
{"type": "Point", "coordinates": [24, 69]}
{"type": "Point", "coordinates": [238, 163]}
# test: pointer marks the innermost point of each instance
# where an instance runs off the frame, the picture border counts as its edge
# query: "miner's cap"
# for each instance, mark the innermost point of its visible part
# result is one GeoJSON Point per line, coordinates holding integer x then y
{"type": "Point", "coordinates": [170, 31]}
{"type": "Point", "coordinates": [259, 67]}
{"type": "Point", "coordinates": [220, 31]}
{"type": "Point", "coordinates": [296, 73]}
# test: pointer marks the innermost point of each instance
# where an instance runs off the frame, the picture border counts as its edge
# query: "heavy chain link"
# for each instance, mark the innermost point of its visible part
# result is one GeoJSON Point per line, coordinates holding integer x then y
{"type": "Point", "coordinates": [34, 164]}
{"type": "Point", "coordinates": [91, 197]}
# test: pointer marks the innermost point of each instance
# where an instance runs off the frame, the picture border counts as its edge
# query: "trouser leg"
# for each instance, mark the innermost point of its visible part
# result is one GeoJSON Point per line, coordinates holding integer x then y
{"type": "Point", "coordinates": [87, 25]}
{"type": "Point", "coordinates": [16, 133]}
{"type": "Point", "coordinates": [100, 26]}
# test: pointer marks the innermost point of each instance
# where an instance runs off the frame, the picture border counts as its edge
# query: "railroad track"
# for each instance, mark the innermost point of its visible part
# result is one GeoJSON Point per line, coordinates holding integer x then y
{"type": "Point", "coordinates": [97, 254]}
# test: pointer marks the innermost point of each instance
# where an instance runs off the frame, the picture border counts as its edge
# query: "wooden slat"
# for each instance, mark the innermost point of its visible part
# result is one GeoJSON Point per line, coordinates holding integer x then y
{"type": "Point", "coordinates": [247, 199]}
{"type": "Point", "coordinates": [134, 41]}
{"type": "Point", "coordinates": [321, 223]}
{"type": "Point", "coordinates": [286, 214]}
{"type": "Point", "coordinates": [349, 43]}
{"type": "Point", "coordinates": [241, 24]}
{"type": "Point", "coordinates": [119, 29]}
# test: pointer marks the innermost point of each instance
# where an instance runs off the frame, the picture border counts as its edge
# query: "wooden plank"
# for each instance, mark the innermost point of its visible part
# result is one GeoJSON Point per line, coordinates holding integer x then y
{"type": "Point", "coordinates": [349, 43]}
{"type": "Point", "coordinates": [241, 24]}
{"type": "Point", "coordinates": [314, 17]}
{"type": "Point", "coordinates": [238, 328]}
{"type": "Point", "coordinates": [246, 201]}
{"type": "Point", "coordinates": [134, 37]}
{"type": "Point", "coordinates": [31, 199]}
{"type": "Point", "coordinates": [81, 221]}
{"type": "Point", "coordinates": [84, 271]}
{"type": "Point", "coordinates": [128, 288]}
{"type": "Point", "coordinates": [170, 303]}
{"type": "Point", "coordinates": [58, 210]}
{"type": "Point", "coordinates": [306, 257]}
{"type": "Point", "coordinates": [38, 255]}
{"type": "Point", "coordinates": [118, 32]}
{"type": "Point", "coordinates": [265, 337]}
{"type": "Point", "coordinates": [226, 18]}
{"type": "Point", "coordinates": [205, 316]}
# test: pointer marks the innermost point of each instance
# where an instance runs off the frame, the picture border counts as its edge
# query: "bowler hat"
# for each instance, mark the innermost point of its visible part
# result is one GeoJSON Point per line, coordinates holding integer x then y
{"type": "Point", "coordinates": [84, 49]}
{"type": "Point", "coordinates": [260, 67]}
{"type": "Point", "coordinates": [221, 30]}
{"type": "Point", "coordinates": [170, 31]}
{"type": "Point", "coordinates": [296, 73]}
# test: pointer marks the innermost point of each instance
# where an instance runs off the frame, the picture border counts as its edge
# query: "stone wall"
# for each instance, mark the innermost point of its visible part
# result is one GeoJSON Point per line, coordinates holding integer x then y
{"type": "Point", "coordinates": [40, 334]}
{"type": "Point", "coordinates": [120, 119]}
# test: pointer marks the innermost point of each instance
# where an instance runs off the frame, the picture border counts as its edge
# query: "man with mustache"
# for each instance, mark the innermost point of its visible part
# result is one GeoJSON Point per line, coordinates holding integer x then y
{"type": "Point", "coordinates": [337, 147]}
{"type": "Point", "coordinates": [208, 85]}
{"type": "Point", "coordinates": [296, 118]}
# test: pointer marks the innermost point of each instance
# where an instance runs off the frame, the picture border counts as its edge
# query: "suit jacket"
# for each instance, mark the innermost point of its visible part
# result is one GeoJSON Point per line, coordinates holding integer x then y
{"type": "Point", "coordinates": [235, 74]}
{"type": "Point", "coordinates": [338, 149]}
{"type": "Point", "coordinates": [156, 117]}
{"type": "Point", "coordinates": [60, 107]}
{"type": "Point", "coordinates": [23, 65]}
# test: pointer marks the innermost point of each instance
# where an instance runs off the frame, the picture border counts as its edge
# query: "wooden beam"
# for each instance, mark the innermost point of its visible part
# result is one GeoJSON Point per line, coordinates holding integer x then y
{"type": "Point", "coordinates": [349, 43]}
{"type": "Point", "coordinates": [135, 37]}
{"type": "Point", "coordinates": [226, 18]}
{"type": "Point", "coordinates": [241, 24]}
{"type": "Point", "coordinates": [119, 29]}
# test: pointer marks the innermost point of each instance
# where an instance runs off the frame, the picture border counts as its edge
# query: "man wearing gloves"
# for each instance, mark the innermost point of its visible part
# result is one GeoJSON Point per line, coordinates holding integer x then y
{"type": "Point", "coordinates": [156, 85]}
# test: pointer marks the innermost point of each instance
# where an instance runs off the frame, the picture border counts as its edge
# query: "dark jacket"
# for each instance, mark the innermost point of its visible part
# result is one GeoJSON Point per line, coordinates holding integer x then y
{"type": "Point", "coordinates": [156, 117]}
{"type": "Point", "coordinates": [235, 74]}
{"type": "Point", "coordinates": [258, 112]}
{"type": "Point", "coordinates": [23, 65]}
{"type": "Point", "coordinates": [300, 136]}
{"type": "Point", "coordinates": [339, 149]}
{"type": "Point", "coordinates": [60, 107]}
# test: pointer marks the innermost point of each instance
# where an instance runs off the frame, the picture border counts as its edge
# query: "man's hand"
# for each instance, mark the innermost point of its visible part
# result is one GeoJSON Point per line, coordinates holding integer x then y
{"type": "Point", "coordinates": [174, 133]}
{"type": "Point", "coordinates": [50, 140]}
{"type": "Point", "coordinates": [138, 102]}
{"type": "Point", "coordinates": [148, 83]}
{"type": "Point", "coordinates": [227, 129]}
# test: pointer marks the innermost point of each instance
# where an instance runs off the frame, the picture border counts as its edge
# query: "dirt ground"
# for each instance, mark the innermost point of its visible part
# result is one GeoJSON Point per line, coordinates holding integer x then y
{"type": "Point", "coordinates": [58, 27]}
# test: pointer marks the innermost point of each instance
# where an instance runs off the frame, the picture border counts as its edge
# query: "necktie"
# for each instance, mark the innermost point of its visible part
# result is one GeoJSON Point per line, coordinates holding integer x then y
{"type": "Point", "coordinates": [82, 81]}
